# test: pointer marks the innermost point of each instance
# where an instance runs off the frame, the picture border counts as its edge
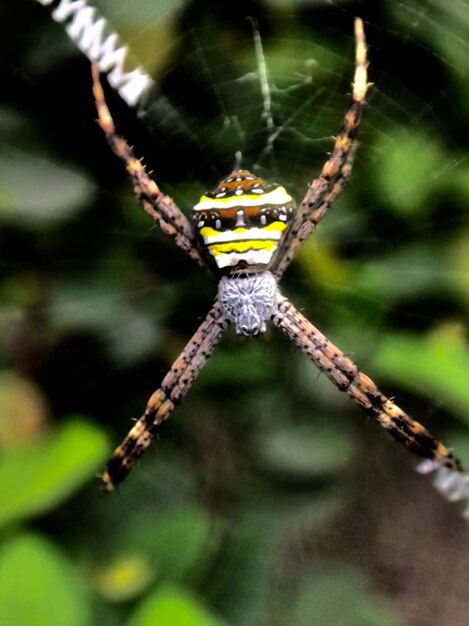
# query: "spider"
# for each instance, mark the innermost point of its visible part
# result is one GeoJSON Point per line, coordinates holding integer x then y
{"type": "Point", "coordinates": [245, 233]}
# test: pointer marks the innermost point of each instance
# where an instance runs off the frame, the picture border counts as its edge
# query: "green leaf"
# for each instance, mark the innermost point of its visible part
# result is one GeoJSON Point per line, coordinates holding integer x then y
{"type": "Point", "coordinates": [38, 191]}
{"type": "Point", "coordinates": [36, 477]}
{"type": "Point", "coordinates": [139, 14]}
{"type": "Point", "coordinates": [38, 586]}
{"type": "Point", "coordinates": [408, 172]}
{"type": "Point", "coordinates": [340, 597]}
{"type": "Point", "coordinates": [245, 588]}
{"type": "Point", "coordinates": [125, 578]}
{"type": "Point", "coordinates": [406, 272]}
{"type": "Point", "coordinates": [179, 541]}
{"type": "Point", "coordinates": [173, 546]}
{"type": "Point", "coordinates": [437, 365]}
{"type": "Point", "coordinates": [173, 606]}
{"type": "Point", "coordinates": [307, 449]}
{"type": "Point", "coordinates": [129, 331]}
{"type": "Point", "coordinates": [242, 362]}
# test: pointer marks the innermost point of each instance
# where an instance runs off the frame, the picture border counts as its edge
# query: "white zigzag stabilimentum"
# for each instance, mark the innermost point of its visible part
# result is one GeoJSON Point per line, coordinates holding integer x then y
{"type": "Point", "coordinates": [454, 486]}
{"type": "Point", "coordinates": [95, 37]}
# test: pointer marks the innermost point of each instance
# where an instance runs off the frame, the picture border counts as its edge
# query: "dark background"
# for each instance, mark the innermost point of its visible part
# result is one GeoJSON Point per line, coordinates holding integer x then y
{"type": "Point", "coordinates": [268, 499]}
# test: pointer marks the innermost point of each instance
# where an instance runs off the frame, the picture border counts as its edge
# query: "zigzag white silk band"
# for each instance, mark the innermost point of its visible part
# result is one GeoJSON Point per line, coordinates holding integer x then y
{"type": "Point", "coordinates": [453, 485]}
{"type": "Point", "coordinates": [95, 37]}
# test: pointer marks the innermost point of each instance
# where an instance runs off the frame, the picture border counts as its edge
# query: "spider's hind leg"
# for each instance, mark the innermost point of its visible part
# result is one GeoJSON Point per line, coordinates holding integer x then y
{"type": "Point", "coordinates": [346, 376]}
{"type": "Point", "coordinates": [175, 385]}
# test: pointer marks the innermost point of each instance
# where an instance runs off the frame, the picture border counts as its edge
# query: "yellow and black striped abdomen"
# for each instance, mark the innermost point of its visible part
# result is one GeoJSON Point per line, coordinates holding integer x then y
{"type": "Point", "coordinates": [243, 220]}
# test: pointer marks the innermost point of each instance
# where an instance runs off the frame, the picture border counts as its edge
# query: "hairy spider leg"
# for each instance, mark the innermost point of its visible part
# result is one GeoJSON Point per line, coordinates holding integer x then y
{"type": "Point", "coordinates": [336, 171]}
{"type": "Point", "coordinates": [162, 402]}
{"type": "Point", "coordinates": [362, 390]}
{"type": "Point", "coordinates": [153, 201]}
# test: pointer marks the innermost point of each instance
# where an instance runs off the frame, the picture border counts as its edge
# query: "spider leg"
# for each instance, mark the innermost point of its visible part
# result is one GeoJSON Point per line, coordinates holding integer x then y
{"type": "Point", "coordinates": [336, 171]}
{"type": "Point", "coordinates": [153, 201]}
{"type": "Point", "coordinates": [362, 390]}
{"type": "Point", "coordinates": [162, 402]}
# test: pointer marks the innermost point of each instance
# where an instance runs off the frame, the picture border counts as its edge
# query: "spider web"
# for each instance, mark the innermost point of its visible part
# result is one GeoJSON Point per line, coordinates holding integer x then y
{"type": "Point", "coordinates": [266, 89]}
{"type": "Point", "coordinates": [276, 107]}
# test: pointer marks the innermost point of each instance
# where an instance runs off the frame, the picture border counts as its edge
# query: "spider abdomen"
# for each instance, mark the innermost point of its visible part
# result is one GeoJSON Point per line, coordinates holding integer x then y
{"type": "Point", "coordinates": [243, 221]}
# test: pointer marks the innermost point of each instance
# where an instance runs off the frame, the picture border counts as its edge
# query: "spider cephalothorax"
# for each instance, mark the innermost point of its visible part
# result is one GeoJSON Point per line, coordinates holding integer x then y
{"type": "Point", "coordinates": [248, 301]}
{"type": "Point", "coordinates": [250, 232]}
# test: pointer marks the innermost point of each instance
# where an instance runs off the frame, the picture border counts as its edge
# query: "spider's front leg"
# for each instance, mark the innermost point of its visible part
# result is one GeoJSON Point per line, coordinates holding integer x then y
{"type": "Point", "coordinates": [159, 206]}
{"type": "Point", "coordinates": [336, 171]}
{"type": "Point", "coordinates": [175, 385]}
{"type": "Point", "coordinates": [362, 390]}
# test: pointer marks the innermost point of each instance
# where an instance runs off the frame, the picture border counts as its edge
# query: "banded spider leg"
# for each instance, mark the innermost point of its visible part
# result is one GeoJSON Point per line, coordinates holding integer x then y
{"type": "Point", "coordinates": [346, 376]}
{"type": "Point", "coordinates": [173, 388]}
{"type": "Point", "coordinates": [187, 366]}
{"type": "Point", "coordinates": [450, 478]}
{"type": "Point", "coordinates": [153, 201]}
{"type": "Point", "coordinates": [336, 171]}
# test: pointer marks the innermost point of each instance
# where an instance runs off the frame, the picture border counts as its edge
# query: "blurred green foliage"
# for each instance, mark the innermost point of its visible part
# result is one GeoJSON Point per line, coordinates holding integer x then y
{"type": "Point", "coordinates": [342, 598]}
{"type": "Point", "coordinates": [170, 606]}
{"type": "Point", "coordinates": [76, 447]}
{"type": "Point", "coordinates": [268, 499]}
{"type": "Point", "coordinates": [436, 364]}
{"type": "Point", "coordinates": [34, 574]}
